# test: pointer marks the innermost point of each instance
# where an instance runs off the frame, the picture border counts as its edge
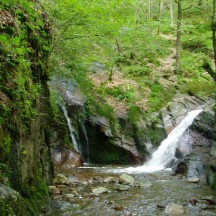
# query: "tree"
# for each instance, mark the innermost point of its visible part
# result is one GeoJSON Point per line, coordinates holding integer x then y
{"type": "Point", "coordinates": [214, 37]}
{"type": "Point", "coordinates": [171, 13]}
{"type": "Point", "coordinates": [178, 36]}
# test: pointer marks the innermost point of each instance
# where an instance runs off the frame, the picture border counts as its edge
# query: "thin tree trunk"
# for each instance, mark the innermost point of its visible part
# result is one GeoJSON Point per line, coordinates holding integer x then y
{"type": "Point", "coordinates": [214, 46]}
{"type": "Point", "coordinates": [118, 46]}
{"type": "Point", "coordinates": [171, 13]}
{"type": "Point", "coordinates": [149, 10]}
{"type": "Point", "coordinates": [214, 37]}
{"type": "Point", "coordinates": [159, 15]}
{"type": "Point", "coordinates": [178, 36]}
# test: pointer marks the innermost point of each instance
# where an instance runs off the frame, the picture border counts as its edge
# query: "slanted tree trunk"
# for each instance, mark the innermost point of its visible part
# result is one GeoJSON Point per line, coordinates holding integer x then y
{"type": "Point", "coordinates": [178, 36]}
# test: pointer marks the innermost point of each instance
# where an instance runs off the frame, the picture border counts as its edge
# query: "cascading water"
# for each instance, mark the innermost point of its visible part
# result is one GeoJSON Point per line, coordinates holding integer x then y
{"type": "Point", "coordinates": [165, 153]}
{"type": "Point", "coordinates": [71, 129]}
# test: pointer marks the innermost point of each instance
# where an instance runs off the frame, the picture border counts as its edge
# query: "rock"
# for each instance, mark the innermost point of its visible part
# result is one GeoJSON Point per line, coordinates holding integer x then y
{"type": "Point", "coordinates": [102, 124]}
{"type": "Point", "coordinates": [174, 210]}
{"type": "Point", "coordinates": [110, 180]}
{"type": "Point", "coordinates": [99, 190]}
{"type": "Point", "coordinates": [213, 150]}
{"type": "Point", "coordinates": [54, 190]}
{"type": "Point", "coordinates": [193, 180]}
{"type": "Point", "coordinates": [97, 67]}
{"type": "Point", "coordinates": [195, 169]}
{"type": "Point", "coordinates": [210, 199]}
{"type": "Point", "coordinates": [121, 187]}
{"type": "Point", "coordinates": [68, 197]}
{"type": "Point", "coordinates": [66, 157]}
{"type": "Point", "coordinates": [126, 179]}
{"type": "Point", "coordinates": [193, 200]}
{"type": "Point", "coordinates": [60, 179]}
{"type": "Point", "coordinates": [119, 208]}
{"type": "Point", "coordinates": [143, 183]}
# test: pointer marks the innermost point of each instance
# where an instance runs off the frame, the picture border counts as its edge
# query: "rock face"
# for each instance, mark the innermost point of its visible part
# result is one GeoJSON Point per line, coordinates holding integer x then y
{"type": "Point", "coordinates": [24, 107]}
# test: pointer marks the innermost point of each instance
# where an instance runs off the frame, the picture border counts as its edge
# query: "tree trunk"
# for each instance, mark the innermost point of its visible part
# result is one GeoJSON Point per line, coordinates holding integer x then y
{"type": "Point", "coordinates": [214, 48]}
{"type": "Point", "coordinates": [178, 36]}
{"type": "Point", "coordinates": [149, 9]}
{"type": "Point", "coordinates": [118, 46]}
{"type": "Point", "coordinates": [159, 15]}
{"type": "Point", "coordinates": [214, 37]}
{"type": "Point", "coordinates": [171, 13]}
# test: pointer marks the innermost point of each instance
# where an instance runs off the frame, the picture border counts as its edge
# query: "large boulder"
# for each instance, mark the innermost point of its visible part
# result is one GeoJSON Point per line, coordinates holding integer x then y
{"type": "Point", "coordinates": [66, 158]}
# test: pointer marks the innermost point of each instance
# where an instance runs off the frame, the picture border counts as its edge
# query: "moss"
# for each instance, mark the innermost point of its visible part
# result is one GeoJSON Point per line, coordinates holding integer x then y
{"type": "Point", "coordinates": [211, 177]}
{"type": "Point", "coordinates": [24, 104]}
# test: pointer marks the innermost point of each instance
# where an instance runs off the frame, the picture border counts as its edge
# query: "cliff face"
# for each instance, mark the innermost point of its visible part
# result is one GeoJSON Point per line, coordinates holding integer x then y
{"type": "Point", "coordinates": [25, 163]}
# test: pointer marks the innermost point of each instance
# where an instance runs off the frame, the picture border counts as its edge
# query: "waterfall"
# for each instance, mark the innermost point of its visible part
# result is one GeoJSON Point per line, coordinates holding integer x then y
{"type": "Point", "coordinates": [165, 154]}
{"type": "Point", "coordinates": [71, 129]}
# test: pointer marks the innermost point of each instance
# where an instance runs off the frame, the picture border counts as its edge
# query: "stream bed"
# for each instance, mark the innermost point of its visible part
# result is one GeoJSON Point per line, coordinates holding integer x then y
{"type": "Point", "coordinates": [149, 194]}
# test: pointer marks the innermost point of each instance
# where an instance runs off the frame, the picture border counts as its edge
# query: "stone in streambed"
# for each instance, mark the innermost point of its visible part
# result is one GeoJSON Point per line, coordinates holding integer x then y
{"type": "Point", "coordinates": [68, 197]}
{"type": "Point", "coordinates": [119, 208]}
{"type": "Point", "coordinates": [54, 190]}
{"type": "Point", "coordinates": [99, 190]}
{"type": "Point", "coordinates": [60, 179]}
{"type": "Point", "coordinates": [126, 179]}
{"type": "Point", "coordinates": [110, 180]}
{"type": "Point", "coordinates": [121, 187]}
{"type": "Point", "coordinates": [174, 210]}
{"type": "Point", "coordinates": [143, 183]}
{"type": "Point", "coordinates": [193, 180]}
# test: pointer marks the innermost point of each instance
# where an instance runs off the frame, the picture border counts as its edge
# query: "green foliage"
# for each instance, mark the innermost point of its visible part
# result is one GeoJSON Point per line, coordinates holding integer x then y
{"type": "Point", "coordinates": [159, 96]}
{"type": "Point", "coordinates": [199, 88]}
{"type": "Point", "coordinates": [24, 41]}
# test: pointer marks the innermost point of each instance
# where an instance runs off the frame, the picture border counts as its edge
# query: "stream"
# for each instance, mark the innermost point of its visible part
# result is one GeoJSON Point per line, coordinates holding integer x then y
{"type": "Point", "coordinates": [149, 195]}
{"type": "Point", "coordinates": [151, 189]}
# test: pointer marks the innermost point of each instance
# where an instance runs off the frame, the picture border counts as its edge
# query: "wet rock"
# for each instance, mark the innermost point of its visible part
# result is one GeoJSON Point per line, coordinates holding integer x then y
{"type": "Point", "coordinates": [195, 169]}
{"type": "Point", "coordinates": [102, 124]}
{"type": "Point", "coordinates": [62, 205]}
{"type": "Point", "coordinates": [68, 197]}
{"type": "Point", "coordinates": [121, 187]}
{"type": "Point", "coordinates": [66, 158]}
{"type": "Point", "coordinates": [54, 190]}
{"type": "Point", "coordinates": [210, 199]}
{"type": "Point", "coordinates": [60, 179]}
{"type": "Point", "coordinates": [143, 183]}
{"type": "Point", "coordinates": [193, 200]}
{"type": "Point", "coordinates": [213, 149]}
{"type": "Point", "coordinates": [193, 180]}
{"type": "Point", "coordinates": [119, 208]}
{"type": "Point", "coordinates": [99, 190]}
{"type": "Point", "coordinates": [174, 210]}
{"type": "Point", "coordinates": [126, 179]}
{"type": "Point", "coordinates": [110, 180]}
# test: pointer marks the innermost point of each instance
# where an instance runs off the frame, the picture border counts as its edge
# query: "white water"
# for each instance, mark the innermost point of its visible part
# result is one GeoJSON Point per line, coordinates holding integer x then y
{"type": "Point", "coordinates": [165, 153]}
{"type": "Point", "coordinates": [71, 129]}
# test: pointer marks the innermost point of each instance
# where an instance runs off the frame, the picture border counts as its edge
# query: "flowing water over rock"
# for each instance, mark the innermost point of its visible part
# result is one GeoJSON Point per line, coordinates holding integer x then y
{"type": "Point", "coordinates": [96, 191]}
{"type": "Point", "coordinates": [164, 156]}
{"type": "Point", "coordinates": [71, 129]}
{"type": "Point", "coordinates": [110, 191]}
